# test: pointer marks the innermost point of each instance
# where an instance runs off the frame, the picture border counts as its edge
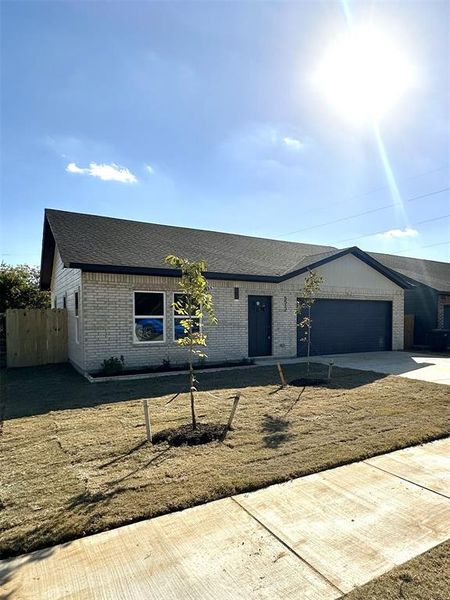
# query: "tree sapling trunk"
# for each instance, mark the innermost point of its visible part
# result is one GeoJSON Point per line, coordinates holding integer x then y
{"type": "Point", "coordinates": [310, 288]}
{"type": "Point", "coordinates": [195, 302]}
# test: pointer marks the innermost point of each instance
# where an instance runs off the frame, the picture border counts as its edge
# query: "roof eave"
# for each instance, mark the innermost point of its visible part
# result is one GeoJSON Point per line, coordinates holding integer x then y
{"type": "Point", "coordinates": [47, 256]}
{"type": "Point", "coordinates": [163, 272]}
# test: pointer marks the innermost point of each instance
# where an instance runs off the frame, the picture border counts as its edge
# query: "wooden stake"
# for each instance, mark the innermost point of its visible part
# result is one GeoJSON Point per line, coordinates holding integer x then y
{"type": "Point", "coordinates": [330, 368]}
{"type": "Point", "coordinates": [280, 371]}
{"type": "Point", "coordinates": [233, 410]}
{"type": "Point", "coordinates": [147, 421]}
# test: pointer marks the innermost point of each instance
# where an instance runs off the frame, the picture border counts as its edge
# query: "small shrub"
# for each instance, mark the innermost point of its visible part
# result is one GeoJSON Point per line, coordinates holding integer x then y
{"type": "Point", "coordinates": [113, 365]}
{"type": "Point", "coordinates": [165, 365]}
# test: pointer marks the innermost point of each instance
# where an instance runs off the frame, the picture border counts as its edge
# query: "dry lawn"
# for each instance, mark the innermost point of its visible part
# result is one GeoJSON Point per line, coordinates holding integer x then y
{"type": "Point", "coordinates": [426, 577]}
{"type": "Point", "coordinates": [74, 460]}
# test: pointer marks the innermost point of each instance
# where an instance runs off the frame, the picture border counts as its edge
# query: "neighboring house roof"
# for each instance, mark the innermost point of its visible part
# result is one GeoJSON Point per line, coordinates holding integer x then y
{"type": "Point", "coordinates": [428, 272]}
{"type": "Point", "coordinates": [104, 244]}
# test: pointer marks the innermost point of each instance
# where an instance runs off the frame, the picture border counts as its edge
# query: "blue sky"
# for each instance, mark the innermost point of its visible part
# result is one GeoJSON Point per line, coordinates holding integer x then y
{"type": "Point", "coordinates": [205, 115]}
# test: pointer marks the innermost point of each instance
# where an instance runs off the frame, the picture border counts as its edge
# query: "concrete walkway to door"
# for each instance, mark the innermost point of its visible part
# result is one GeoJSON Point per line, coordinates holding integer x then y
{"type": "Point", "coordinates": [315, 537]}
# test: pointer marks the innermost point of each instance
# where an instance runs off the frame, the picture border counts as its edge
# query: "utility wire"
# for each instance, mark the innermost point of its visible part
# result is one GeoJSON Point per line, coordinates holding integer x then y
{"type": "Point", "coordinates": [419, 247]}
{"type": "Point", "coordinates": [373, 191]}
{"type": "Point", "coordinates": [383, 230]}
{"type": "Point", "coordinates": [367, 212]}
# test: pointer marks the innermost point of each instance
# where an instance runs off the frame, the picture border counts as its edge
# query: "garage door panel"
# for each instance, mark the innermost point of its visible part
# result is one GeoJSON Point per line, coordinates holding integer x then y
{"type": "Point", "coordinates": [340, 326]}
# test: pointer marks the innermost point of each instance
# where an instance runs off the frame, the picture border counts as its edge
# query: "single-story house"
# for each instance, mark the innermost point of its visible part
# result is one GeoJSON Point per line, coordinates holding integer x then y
{"type": "Point", "coordinates": [428, 298]}
{"type": "Point", "coordinates": [111, 276]}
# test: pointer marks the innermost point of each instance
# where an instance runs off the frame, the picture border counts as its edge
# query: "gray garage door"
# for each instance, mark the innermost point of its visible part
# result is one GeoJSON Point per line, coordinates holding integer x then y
{"type": "Point", "coordinates": [340, 326]}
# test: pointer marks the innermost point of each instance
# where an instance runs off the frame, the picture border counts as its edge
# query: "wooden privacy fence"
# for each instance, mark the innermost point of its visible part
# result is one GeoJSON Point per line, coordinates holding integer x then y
{"type": "Point", "coordinates": [36, 336]}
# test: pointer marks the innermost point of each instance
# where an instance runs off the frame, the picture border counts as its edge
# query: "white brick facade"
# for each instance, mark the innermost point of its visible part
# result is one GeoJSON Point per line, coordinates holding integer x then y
{"type": "Point", "coordinates": [106, 312]}
{"type": "Point", "coordinates": [64, 284]}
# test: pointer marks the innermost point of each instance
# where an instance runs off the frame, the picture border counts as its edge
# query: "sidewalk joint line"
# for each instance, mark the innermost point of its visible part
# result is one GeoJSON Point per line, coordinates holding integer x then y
{"type": "Point", "coordinates": [286, 545]}
{"type": "Point", "coordinates": [405, 479]}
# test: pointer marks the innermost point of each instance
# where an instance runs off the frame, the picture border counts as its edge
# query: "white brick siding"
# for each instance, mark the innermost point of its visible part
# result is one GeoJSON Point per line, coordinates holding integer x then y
{"type": "Point", "coordinates": [108, 313]}
{"type": "Point", "coordinates": [65, 282]}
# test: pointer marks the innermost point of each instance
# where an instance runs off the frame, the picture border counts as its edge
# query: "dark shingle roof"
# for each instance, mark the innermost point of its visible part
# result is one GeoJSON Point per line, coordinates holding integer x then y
{"type": "Point", "coordinates": [429, 272]}
{"type": "Point", "coordinates": [105, 241]}
{"type": "Point", "coordinates": [95, 243]}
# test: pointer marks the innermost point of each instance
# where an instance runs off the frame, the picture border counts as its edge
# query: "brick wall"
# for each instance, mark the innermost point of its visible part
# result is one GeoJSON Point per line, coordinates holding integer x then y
{"type": "Point", "coordinates": [442, 301]}
{"type": "Point", "coordinates": [64, 284]}
{"type": "Point", "coordinates": [108, 314]}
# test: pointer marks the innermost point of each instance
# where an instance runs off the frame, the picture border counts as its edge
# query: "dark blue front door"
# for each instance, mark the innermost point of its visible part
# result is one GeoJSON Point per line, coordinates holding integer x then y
{"type": "Point", "coordinates": [259, 325]}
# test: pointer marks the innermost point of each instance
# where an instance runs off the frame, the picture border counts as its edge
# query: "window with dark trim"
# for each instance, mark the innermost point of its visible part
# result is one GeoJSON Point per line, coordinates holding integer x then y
{"type": "Point", "coordinates": [77, 316]}
{"type": "Point", "coordinates": [148, 317]}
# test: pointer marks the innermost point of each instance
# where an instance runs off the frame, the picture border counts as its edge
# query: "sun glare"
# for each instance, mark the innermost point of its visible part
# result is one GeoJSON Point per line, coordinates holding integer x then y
{"type": "Point", "coordinates": [363, 75]}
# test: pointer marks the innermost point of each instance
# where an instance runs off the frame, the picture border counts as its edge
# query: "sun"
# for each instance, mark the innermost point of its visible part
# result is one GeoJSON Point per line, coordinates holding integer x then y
{"type": "Point", "coordinates": [363, 74]}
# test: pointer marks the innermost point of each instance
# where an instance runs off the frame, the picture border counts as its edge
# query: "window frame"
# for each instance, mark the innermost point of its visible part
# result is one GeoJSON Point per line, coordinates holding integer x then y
{"type": "Point", "coordinates": [163, 317]}
{"type": "Point", "coordinates": [175, 316]}
{"type": "Point", "coordinates": [76, 314]}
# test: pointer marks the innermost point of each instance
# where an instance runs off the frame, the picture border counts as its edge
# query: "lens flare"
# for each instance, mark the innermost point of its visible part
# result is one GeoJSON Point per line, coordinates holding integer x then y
{"type": "Point", "coordinates": [364, 74]}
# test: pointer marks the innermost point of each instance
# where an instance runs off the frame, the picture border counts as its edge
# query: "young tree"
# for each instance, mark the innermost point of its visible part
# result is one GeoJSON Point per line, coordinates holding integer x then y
{"type": "Point", "coordinates": [195, 303]}
{"type": "Point", "coordinates": [19, 288]}
{"type": "Point", "coordinates": [311, 286]}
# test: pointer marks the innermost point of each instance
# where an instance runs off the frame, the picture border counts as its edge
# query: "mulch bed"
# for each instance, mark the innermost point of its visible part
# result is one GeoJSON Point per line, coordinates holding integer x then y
{"type": "Point", "coordinates": [185, 435]}
{"type": "Point", "coordinates": [174, 368]}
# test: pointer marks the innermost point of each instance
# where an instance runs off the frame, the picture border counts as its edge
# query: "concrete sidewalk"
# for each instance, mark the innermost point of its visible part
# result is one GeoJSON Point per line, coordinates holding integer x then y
{"type": "Point", "coordinates": [315, 537]}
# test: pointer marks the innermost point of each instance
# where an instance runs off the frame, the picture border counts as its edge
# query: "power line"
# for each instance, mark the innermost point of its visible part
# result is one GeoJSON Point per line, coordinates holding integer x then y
{"type": "Point", "coordinates": [383, 231]}
{"type": "Point", "coordinates": [367, 212]}
{"type": "Point", "coordinates": [419, 247]}
{"type": "Point", "coordinates": [378, 189]}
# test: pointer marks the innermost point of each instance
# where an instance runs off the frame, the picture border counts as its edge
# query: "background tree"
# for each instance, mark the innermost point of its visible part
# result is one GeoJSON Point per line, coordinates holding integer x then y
{"type": "Point", "coordinates": [311, 286]}
{"type": "Point", "coordinates": [19, 288]}
{"type": "Point", "coordinates": [195, 303]}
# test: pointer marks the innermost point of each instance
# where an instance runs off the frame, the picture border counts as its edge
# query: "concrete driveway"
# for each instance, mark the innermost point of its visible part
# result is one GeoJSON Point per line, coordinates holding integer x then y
{"type": "Point", "coordinates": [413, 365]}
{"type": "Point", "coordinates": [314, 538]}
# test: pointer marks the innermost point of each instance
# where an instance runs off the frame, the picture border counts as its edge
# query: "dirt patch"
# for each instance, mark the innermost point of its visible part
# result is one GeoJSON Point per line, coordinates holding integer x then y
{"type": "Point", "coordinates": [186, 435]}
